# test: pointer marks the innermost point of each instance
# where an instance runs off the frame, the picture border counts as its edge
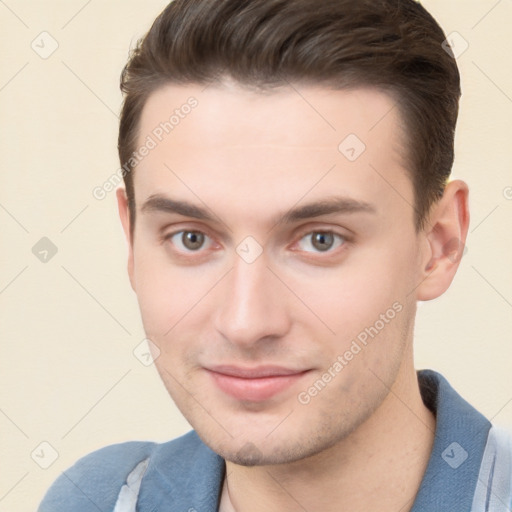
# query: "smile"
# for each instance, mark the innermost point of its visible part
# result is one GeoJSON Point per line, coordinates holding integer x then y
{"type": "Point", "coordinates": [254, 385]}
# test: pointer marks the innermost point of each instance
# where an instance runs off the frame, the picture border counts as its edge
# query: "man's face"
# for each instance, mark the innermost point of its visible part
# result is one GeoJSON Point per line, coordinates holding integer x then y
{"type": "Point", "coordinates": [251, 308]}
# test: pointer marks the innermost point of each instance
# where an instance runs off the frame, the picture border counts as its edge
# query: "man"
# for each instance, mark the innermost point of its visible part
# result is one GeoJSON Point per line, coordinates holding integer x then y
{"type": "Point", "coordinates": [287, 204]}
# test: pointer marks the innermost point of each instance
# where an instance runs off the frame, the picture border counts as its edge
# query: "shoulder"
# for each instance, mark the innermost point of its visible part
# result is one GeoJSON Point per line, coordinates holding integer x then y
{"type": "Point", "coordinates": [94, 481]}
{"type": "Point", "coordinates": [494, 485]}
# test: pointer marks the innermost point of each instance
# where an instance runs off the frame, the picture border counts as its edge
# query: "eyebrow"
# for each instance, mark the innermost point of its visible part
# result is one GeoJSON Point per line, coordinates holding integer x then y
{"type": "Point", "coordinates": [340, 205]}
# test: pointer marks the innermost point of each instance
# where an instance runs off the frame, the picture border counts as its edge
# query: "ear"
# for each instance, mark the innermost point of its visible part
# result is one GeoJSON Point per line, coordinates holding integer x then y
{"type": "Point", "coordinates": [444, 241]}
{"type": "Point", "coordinates": [124, 214]}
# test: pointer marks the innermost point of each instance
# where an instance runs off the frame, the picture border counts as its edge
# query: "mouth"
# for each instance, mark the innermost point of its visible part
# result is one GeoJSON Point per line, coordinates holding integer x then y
{"type": "Point", "coordinates": [254, 384]}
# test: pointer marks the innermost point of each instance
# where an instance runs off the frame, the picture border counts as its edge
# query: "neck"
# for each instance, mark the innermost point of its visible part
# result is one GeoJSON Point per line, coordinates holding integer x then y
{"type": "Point", "coordinates": [378, 466]}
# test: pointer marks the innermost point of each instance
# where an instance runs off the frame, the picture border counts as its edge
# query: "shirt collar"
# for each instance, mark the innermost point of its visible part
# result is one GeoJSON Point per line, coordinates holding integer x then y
{"type": "Point", "coordinates": [461, 434]}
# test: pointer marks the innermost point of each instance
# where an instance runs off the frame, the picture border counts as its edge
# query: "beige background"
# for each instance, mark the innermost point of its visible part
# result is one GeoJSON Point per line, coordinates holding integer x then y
{"type": "Point", "coordinates": [69, 326]}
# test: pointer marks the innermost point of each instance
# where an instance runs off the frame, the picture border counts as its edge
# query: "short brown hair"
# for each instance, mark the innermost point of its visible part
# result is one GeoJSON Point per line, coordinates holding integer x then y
{"type": "Point", "coordinates": [394, 45]}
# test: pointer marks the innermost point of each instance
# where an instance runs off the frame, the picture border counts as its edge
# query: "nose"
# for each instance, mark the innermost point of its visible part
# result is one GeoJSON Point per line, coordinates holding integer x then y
{"type": "Point", "coordinates": [252, 304]}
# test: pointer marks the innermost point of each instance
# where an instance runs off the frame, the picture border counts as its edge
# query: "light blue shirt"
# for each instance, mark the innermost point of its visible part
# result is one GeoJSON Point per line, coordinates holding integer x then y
{"type": "Point", "coordinates": [469, 470]}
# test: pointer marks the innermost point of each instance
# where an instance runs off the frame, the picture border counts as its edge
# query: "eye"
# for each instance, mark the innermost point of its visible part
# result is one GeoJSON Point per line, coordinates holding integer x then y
{"type": "Point", "coordinates": [188, 241]}
{"type": "Point", "coordinates": [322, 241]}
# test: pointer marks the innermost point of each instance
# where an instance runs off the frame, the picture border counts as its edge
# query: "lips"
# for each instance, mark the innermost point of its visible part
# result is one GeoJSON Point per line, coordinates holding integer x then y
{"type": "Point", "coordinates": [254, 384]}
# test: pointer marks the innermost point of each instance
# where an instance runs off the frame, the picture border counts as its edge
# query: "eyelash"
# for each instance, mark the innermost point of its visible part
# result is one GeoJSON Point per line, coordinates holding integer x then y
{"type": "Point", "coordinates": [344, 240]}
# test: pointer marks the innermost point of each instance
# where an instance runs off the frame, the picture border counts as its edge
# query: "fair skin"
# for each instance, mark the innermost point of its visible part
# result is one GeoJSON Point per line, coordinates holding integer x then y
{"type": "Point", "coordinates": [222, 324]}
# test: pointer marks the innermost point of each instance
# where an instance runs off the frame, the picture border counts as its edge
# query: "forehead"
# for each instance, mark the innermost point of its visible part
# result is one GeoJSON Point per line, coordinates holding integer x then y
{"type": "Point", "coordinates": [224, 139]}
{"type": "Point", "coordinates": [303, 116]}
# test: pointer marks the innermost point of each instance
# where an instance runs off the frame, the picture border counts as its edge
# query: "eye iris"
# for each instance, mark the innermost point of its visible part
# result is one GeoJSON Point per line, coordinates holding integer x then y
{"type": "Point", "coordinates": [192, 239]}
{"type": "Point", "coordinates": [323, 241]}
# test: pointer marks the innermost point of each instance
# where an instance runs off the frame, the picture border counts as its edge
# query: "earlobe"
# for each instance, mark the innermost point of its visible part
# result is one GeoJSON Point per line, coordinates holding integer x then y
{"type": "Point", "coordinates": [445, 238]}
{"type": "Point", "coordinates": [124, 215]}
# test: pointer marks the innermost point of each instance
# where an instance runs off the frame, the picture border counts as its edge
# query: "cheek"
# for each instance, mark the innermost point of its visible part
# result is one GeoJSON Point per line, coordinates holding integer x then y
{"type": "Point", "coordinates": [364, 309]}
{"type": "Point", "coordinates": [354, 295]}
{"type": "Point", "coordinates": [170, 296]}
{"type": "Point", "coordinates": [157, 294]}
